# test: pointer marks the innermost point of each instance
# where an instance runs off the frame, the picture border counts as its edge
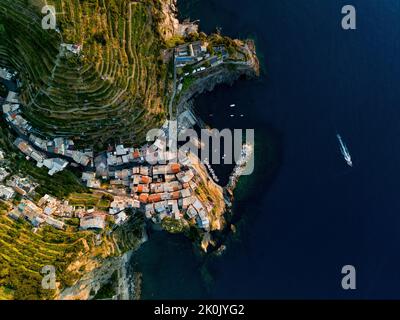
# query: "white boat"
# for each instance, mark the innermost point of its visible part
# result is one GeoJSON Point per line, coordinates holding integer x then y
{"type": "Point", "coordinates": [345, 152]}
{"type": "Point", "coordinates": [233, 105]}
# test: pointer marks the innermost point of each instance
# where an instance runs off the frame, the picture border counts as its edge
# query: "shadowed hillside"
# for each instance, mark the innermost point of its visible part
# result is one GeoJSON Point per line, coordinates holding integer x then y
{"type": "Point", "coordinates": [115, 88]}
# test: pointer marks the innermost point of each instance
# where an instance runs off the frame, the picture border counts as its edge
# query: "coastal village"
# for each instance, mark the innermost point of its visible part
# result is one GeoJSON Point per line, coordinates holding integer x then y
{"type": "Point", "coordinates": [79, 187]}
{"type": "Point", "coordinates": [161, 191]}
{"type": "Point", "coordinates": [158, 191]}
{"type": "Point", "coordinates": [196, 59]}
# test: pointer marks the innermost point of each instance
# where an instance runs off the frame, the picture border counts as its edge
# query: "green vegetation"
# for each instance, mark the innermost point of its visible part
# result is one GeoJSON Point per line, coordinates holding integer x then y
{"type": "Point", "coordinates": [3, 90]}
{"type": "Point", "coordinates": [175, 41]}
{"type": "Point", "coordinates": [172, 225]}
{"type": "Point", "coordinates": [130, 234]}
{"type": "Point", "coordinates": [24, 253]}
{"type": "Point", "coordinates": [60, 185]}
{"type": "Point", "coordinates": [113, 90]}
{"type": "Point", "coordinates": [4, 207]}
{"type": "Point", "coordinates": [187, 82]}
{"type": "Point", "coordinates": [89, 200]}
{"type": "Point", "coordinates": [230, 45]}
{"type": "Point", "coordinates": [74, 222]}
{"type": "Point", "coordinates": [108, 290]}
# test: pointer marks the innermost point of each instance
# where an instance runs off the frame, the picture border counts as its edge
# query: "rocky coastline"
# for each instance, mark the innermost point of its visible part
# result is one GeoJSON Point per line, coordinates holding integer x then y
{"type": "Point", "coordinates": [128, 284]}
{"type": "Point", "coordinates": [170, 25]}
{"type": "Point", "coordinates": [221, 75]}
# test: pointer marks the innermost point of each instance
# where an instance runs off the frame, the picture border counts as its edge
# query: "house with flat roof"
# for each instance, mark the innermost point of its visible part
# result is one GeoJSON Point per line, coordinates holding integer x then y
{"type": "Point", "coordinates": [5, 74]}
{"type": "Point", "coordinates": [149, 210]}
{"type": "Point", "coordinates": [191, 212]}
{"type": "Point", "coordinates": [185, 176]}
{"type": "Point", "coordinates": [161, 207]}
{"type": "Point", "coordinates": [120, 150]}
{"type": "Point", "coordinates": [93, 221]}
{"type": "Point", "coordinates": [55, 165]}
{"type": "Point", "coordinates": [12, 97]}
{"type": "Point", "coordinates": [203, 220]}
{"type": "Point", "coordinates": [6, 193]}
{"type": "Point", "coordinates": [54, 222]}
{"type": "Point", "coordinates": [3, 174]}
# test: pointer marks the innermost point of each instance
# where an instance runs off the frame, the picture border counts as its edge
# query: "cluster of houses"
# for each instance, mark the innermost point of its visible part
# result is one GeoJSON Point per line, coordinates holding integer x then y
{"type": "Point", "coordinates": [11, 110]}
{"type": "Point", "coordinates": [149, 179]}
{"type": "Point", "coordinates": [21, 185]}
{"type": "Point", "coordinates": [54, 165]}
{"type": "Point", "coordinates": [123, 155]}
{"type": "Point", "coordinates": [51, 211]}
{"type": "Point", "coordinates": [190, 53]}
{"type": "Point", "coordinates": [73, 48]}
{"type": "Point", "coordinates": [40, 149]}
{"type": "Point", "coordinates": [53, 206]}
{"type": "Point", "coordinates": [120, 204]}
{"type": "Point", "coordinates": [35, 215]}
{"type": "Point", "coordinates": [6, 192]}
{"type": "Point", "coordinates": [159, 191]}
{"type": "Point", "coordinates": [63, 147]}
{"type": "Point", "coordinates": [6, 75]}
{"type": "Point", "coordinates": [39, 214]}
{"type": "Point", "coordinates": [30, 144]}
{"type": "Point", "coordinates": [48, 210]}
{"type": "Point", "coordinates": [95, 220]}
{"type": "Point", "coordinates": [196, 56]}
{"type": "Point", "coordinates": [169, 191]}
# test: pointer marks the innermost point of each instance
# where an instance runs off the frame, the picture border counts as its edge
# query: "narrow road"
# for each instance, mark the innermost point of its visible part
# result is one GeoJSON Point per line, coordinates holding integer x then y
{"type": "Point", "coordinates": [173, 92]}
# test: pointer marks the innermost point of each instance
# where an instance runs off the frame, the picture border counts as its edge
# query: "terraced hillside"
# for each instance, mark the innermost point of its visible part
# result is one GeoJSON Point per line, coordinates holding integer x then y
{"type": "Point", "coordinates": [23, 254]}
{"type": "Point", "coordinates": [115, 89]}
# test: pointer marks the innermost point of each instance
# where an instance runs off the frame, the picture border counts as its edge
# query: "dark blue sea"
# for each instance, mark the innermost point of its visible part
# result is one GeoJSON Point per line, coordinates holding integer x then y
{"type": "Point", "coordinates": [304, 213]}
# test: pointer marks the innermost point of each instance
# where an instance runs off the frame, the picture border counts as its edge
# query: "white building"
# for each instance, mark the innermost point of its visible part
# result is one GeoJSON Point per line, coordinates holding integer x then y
{"type": "Point", "coordinates": [6, 193]}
